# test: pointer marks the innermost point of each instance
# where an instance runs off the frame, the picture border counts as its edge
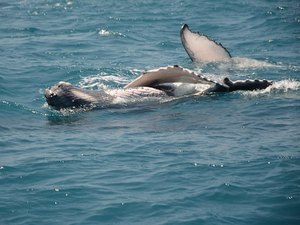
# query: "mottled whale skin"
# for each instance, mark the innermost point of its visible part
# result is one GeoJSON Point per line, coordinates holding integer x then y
{"type": "Point", "coordinates": [161, 83]}
{"type": "Point", "coordinates": [64, 95]}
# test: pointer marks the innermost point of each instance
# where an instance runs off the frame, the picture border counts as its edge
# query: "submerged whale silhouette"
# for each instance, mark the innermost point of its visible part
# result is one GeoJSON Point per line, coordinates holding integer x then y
{"type": "Point", "coordinates": [158, 83]}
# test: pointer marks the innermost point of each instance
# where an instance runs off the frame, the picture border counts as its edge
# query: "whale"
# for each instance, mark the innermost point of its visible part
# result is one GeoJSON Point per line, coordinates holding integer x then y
{"type": "Point", "coordinates": [162, 83]}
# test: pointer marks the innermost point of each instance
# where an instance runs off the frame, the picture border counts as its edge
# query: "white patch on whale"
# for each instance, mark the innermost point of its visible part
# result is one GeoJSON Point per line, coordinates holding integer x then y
{"type": "Point", "coordinates": [131, 96]}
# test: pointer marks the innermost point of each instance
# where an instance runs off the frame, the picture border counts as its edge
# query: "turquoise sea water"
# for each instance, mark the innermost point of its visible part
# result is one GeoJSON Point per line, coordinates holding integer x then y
{"type": "Point", "coordinates": [220, 159]}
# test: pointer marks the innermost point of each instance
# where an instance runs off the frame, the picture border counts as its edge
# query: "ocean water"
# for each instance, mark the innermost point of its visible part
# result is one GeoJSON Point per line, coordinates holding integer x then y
{"type": "Point", "coordinates": [230, 158]}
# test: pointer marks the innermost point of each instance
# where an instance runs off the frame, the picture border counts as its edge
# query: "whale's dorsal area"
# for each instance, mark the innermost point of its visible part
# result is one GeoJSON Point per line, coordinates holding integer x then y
{"type": "Point", "coordinates": [201, 48]}
{"type": "Point", "coordinates": [166, 75]}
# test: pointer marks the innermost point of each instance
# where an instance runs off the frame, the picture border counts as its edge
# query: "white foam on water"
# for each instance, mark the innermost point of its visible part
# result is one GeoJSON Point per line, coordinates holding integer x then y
{"type": "Point", "coordinates": [74, 111]}
{"type": "Point", "coordinates": [104, 33]}
{"type": "Point", "coordinates": [239, 63]}
{"type": "Point", "coordinates": [100, 81]}
{"type": "Point", "coordinates": [243, 63]}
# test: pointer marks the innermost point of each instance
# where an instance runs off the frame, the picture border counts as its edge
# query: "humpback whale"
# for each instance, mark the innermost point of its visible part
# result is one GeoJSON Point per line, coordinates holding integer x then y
{"type": "Point", "coordinates": [164, 82]}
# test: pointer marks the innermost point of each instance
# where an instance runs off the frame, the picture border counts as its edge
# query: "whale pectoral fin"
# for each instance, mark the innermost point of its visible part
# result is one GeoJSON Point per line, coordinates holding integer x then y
{"type": "Point", "coordinates": [201, 48]}
{"type": "Point", "coordinates": [247, 85]}
{"type": "Point", "coordinates": [170, 74]}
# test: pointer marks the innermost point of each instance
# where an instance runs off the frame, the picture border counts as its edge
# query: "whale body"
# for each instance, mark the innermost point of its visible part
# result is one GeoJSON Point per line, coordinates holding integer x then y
{"type": "Point", "coordinates": [163, 82]}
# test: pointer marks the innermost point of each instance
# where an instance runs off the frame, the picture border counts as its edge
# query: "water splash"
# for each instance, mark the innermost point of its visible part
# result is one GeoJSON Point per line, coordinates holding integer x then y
{"type": "Point", "coordinates": [244, 63]}
{"type": "Point", "coordinates": [105, 33]}
{"type": "Point", "coordinates": [237, 63]}
{"type": "Point", "coordinates": [102, 81]}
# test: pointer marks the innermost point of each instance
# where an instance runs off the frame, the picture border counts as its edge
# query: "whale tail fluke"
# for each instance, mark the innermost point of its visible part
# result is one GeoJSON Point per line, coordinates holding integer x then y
{"type": "Point", "coordinates": [201, 48]}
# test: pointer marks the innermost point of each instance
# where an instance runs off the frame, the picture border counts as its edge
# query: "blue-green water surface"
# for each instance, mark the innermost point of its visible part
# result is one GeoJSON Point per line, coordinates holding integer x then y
{"type": "Point", "coordinates": [229, 158]}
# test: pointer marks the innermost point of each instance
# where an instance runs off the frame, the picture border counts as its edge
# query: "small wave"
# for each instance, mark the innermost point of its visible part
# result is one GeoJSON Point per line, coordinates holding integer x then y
{"type": "Point", "coordinates": [16, 107]}
{"type": "Point", "coordinates": [104, 33]}
{"type": "Point", "coordinates": [31, 29]}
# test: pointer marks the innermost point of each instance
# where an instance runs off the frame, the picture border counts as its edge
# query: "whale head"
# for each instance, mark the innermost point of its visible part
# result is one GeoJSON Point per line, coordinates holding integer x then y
{"type": "Point", "coordinates": [65, 95]}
